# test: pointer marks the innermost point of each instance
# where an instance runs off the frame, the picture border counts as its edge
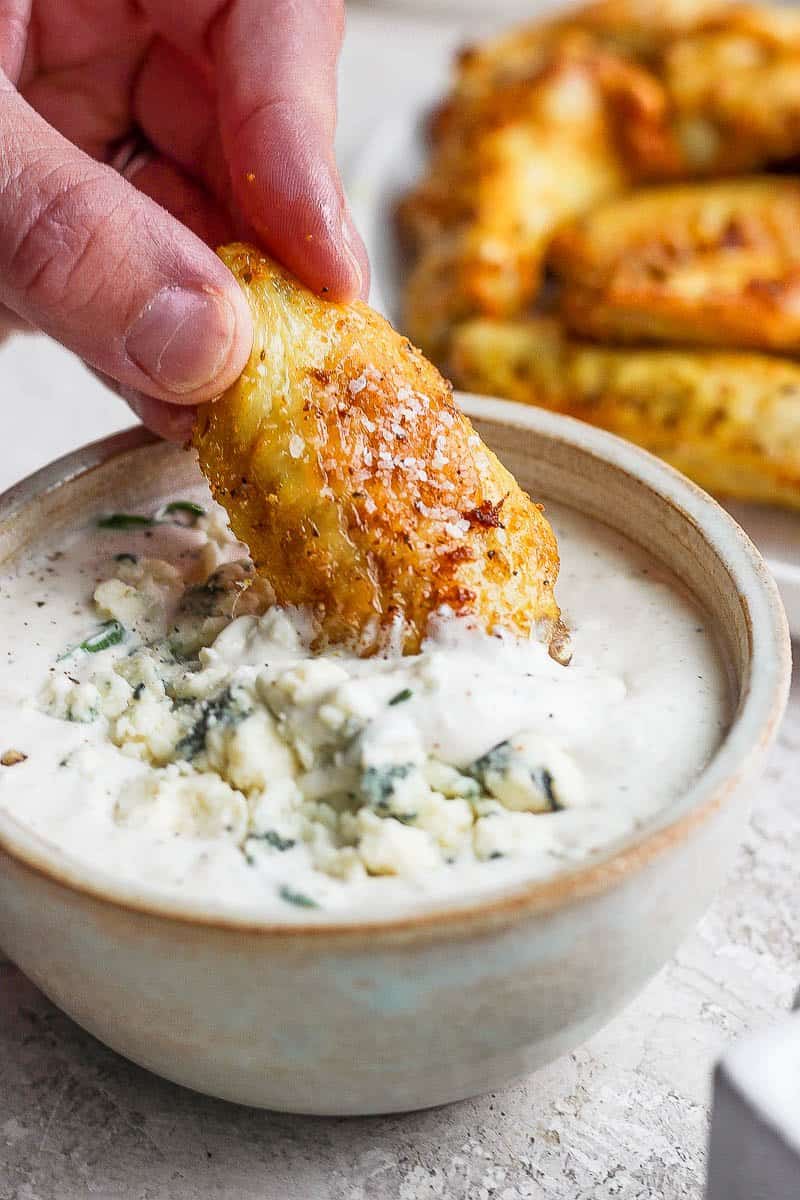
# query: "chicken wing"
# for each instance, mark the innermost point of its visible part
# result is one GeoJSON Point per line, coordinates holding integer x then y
{"type": "Point", "coordinates": [682, 89]}
{"type": "Point", "coordinates": [711, 264]}
{"type": "Point", "coordinates": [732, 89]}
{"type": "Point", "coordinates": [361, 489]}
{"type": "Point", "coordinates": [541, 125]}
{"type": "Point", "coordinates": [539, 152]}
{"type": "Point", "coordinates": [731, 421]}
{"type": "Point", "coordinates": [639, 29]}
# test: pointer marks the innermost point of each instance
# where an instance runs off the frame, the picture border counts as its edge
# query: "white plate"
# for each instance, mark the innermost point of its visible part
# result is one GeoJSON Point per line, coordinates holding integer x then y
{"type": "Point", "coordinates": [389, 162]}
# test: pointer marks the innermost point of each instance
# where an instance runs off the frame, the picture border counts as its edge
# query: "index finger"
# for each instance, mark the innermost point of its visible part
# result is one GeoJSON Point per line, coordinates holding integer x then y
{"type": "Point", "coordinates": [274, 68]}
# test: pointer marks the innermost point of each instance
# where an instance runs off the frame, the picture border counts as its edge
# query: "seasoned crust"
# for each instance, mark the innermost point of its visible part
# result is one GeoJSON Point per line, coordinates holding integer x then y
{"type": "Point", "coordinates": [509, 172]}
{"type": "Point", "coordinates": [544, 123]}
{"type": "Point", "coordinates": [685, 92]}
{"type": "Point", "coordinates": [361, 489]}
{"type": "Point", "coordinates": [733, 92]}
{"type": "Point", "coordinates": [639, 29]}
{"type": "Point", "coordinates": [731, 421]}
{"type": "Point", "coordinates": [711, 264]}
{"type": "Point", "coordinates": [726, 75]}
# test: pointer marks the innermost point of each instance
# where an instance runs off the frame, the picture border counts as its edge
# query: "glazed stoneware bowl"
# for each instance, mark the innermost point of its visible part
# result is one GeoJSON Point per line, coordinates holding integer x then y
{"type": "Point", "coordinates": [373, 1015]}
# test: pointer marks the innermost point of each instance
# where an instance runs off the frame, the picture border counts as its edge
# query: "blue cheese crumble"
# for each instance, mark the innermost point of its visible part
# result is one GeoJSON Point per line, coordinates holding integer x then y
{"type": "Point", "coordinates": [168, 726]}
{"type": "Point", "coordinates": [359, 767]}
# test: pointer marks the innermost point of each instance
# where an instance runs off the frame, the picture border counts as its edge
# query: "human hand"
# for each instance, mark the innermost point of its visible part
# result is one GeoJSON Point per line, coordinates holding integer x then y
{"type": "Point", "coordinates": [237, 100]}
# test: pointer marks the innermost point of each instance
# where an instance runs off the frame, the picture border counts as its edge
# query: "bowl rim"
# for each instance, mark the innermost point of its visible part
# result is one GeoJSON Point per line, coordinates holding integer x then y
{"type": "Point", "coordinates": [764, 694]}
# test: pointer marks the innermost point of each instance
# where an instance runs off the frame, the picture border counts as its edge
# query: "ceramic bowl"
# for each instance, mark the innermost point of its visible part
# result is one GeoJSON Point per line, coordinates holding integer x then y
{"type": "Point", "coordinates": [369, 1015]}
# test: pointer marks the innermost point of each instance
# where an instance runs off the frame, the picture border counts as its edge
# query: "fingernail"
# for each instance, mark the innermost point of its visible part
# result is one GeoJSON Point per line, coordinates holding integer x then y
{"type": "Point", "coordinates": [171, 421]}
{"type": "Point", "coordinates": [348, 240]}
{"type": "Point", "coordinates": [182, 338]}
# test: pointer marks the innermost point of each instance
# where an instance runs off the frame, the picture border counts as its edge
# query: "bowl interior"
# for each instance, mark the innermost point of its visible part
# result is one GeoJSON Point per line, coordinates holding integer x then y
{"type": "Point", "coordinates": [555, 458]}
{"type": "Point", "coordinates": [660, 511]}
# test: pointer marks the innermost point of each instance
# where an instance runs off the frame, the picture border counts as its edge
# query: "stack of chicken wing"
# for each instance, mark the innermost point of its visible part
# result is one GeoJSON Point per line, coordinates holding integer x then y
{"type": "Point", "coordinates": [609, 227]}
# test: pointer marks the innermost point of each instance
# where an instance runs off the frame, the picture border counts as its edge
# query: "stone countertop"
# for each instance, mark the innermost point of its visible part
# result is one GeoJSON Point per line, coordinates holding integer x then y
{"type": "Point", "coordinates": [624, 1117]}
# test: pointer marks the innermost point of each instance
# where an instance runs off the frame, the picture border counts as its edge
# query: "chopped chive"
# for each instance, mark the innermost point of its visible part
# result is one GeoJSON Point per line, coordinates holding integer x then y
{"type": "Point", "coordinates": [188, 507]}
{"type": "Point", "coordinates": [406, 694]}
{"type": "Point", "coordinates": [110, 634]}
{"type": "Point", "coordinates": [296, 898]}
{"type": "Point", "coordinates": [124, 521]}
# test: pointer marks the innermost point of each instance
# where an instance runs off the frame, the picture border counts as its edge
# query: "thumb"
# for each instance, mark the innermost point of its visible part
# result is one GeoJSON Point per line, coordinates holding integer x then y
{"type": "Point", "coordinates": [107, 272]}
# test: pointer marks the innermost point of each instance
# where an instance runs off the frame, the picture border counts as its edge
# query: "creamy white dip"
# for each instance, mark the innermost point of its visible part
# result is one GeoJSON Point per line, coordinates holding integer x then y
{"type": "Point", "coordinates": [160, 721]}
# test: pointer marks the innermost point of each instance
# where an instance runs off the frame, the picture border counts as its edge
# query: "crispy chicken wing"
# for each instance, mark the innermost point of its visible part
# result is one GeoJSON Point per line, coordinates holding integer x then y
{"type": "Point", "coordinates": [537, 153]}
{"type": "Point", "coordinates": [713, 264]}
{"type": "Point", "coordinates": [524, 176]}
{"type": "Point", "coordinates": [731, 421]}
{"type": "Point", "coordinates": [361, 489]}
{"type": "Point", "coordinates": [732, 90]}
{"type": "Point", "coordinates": [544, 122]}
{"type": "Point", "coordinates": [638, 29]}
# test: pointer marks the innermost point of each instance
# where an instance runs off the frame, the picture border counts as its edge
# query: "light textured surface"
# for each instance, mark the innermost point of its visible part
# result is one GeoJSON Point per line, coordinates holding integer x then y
{"type": "Point", "coordinates": [625, 1117]}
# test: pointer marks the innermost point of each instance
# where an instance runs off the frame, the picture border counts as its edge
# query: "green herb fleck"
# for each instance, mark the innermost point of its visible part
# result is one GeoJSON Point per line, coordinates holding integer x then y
{"type": "Point", "coordinates": [181, 512]}
{"type": "Point", "coordinates": [124, 521]}
{"type": "Point", "coordinates": [186, 508]}
{"type": "Point", "coordinates": [109, 634]}
{"type": "Point", "coordinates": [126, 557]}
{"type": "Point", "coordinates": [299, 899]}
{"type": "Point", "coordinates": [401, 697]}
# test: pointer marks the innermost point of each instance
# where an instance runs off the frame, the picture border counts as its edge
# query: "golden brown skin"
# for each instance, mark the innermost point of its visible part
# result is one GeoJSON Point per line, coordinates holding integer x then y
{"type": "Point", "coordinates": [733, 95]}
{"type": "Point", "coordinates": [639, 29]}
{"type": "Point", "coordinates": [709, 264]}
{"type": "Point", "coordinates": [731, 421]}
{"type": "Point", "coordinates": [726, 75]}
{"type": "Point", "coordinates": [528, 157]}
{"type": "Point", "coordinates": [361, 489]}
{"type": "Point", "coordinates": [544, 123]}
{"type": "Point", "coordinates": [524, 177]}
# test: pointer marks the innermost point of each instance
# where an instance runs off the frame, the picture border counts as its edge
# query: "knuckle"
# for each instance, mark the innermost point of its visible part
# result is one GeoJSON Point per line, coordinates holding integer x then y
{"type": "Point", "coordinates": [57, 255]}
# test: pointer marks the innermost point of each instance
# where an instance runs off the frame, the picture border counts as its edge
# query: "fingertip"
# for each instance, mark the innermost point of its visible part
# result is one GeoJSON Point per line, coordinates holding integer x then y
{"type": "Point", "coordinates": [290, 195]}
{"type": "Point", "coordinates": [339, 271]}
{"type": "Point", "coordinates": [172, 422]}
